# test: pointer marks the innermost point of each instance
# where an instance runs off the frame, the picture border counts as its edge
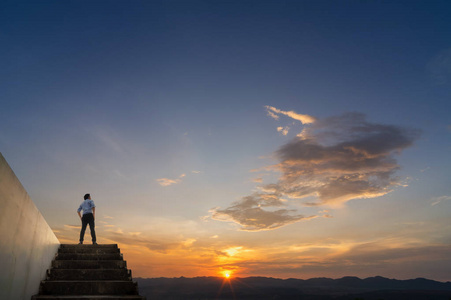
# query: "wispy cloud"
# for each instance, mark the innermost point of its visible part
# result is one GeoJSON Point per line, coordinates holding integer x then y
{"type": "Point", "coordinates": [336, 159]}
{"type": "Point", "coordinates": [440, 199]}
{"type": "Point", "coordinates": [119, 174]}
{"type": "Point", "coordinates": [304, 119]}
{"type": "Point", "coordinates": [108, 138]}
{"type": "Point", "coordinates": [272, 115]}
{"type": "Point", "coordinates": [69, 226]}
{"type": "Point", "coordinates": [168, 182]}
{"type": "Point", "coordinates": [155, 245]}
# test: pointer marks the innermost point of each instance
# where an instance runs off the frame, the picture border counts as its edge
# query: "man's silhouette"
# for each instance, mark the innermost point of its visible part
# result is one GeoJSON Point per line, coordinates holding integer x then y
{"type": "Point", "coordinates": [89, 214]}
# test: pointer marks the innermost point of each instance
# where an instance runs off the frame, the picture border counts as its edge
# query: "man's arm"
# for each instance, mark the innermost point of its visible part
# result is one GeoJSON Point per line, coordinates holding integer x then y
{"type": "Point", "coordinates": [79, 214]}
{"type": "Point", "coordinates": [94, 212]}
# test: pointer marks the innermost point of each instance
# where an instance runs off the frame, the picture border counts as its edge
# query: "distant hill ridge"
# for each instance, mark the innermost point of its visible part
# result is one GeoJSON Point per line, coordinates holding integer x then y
{"type": "Point", "coordinates": [377, 282]}
{"type": "Point", "coordinates": [312, 289]}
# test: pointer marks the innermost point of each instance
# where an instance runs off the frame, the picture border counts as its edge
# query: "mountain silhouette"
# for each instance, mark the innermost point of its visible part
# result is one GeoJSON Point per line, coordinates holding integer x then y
{"type": "Point", "coordinates": [262, 288]}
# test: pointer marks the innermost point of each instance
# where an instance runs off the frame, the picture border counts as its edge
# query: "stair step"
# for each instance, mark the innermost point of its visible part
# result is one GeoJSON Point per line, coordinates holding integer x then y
{"type": "Point", "coordinates": [76, 246]}
{"type": "Point", "coordinates": [87, 297]}
{"type": "Point", "coordinates": [88, 256]}
{"type": "Point", "coordinates": [95, 287]}
{"type": "Point", "coordinates": [89, 264]}
{"type": "Point", "coordinates": [89, 274]}
{"type": "Point", "coordinates": [89, 250]}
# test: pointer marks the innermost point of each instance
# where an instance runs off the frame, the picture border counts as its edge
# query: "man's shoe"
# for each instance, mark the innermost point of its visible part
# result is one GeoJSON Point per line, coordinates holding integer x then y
{"type": "Point", "coordinates": [81, 243]}
{"type": "Point", "coordinates": [94, 243]}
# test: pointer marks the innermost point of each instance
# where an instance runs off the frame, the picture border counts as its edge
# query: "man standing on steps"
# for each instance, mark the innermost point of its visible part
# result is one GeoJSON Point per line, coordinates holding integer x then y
{"type": "Point", "coordinates": [89, 214]}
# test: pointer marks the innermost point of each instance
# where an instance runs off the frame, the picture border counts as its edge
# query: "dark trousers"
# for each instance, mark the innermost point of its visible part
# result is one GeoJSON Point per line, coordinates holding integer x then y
{"type": "Point", "coordinates": [85, 220]}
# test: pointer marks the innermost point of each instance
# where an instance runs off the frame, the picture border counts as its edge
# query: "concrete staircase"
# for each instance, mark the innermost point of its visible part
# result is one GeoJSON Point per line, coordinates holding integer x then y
{"type": "Point", "coordinates": [88, 272]}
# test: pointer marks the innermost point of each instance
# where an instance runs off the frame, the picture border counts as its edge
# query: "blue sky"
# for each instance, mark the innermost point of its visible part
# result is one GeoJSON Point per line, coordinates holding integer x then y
{"type": "Point", "coordinates": [160, 109]}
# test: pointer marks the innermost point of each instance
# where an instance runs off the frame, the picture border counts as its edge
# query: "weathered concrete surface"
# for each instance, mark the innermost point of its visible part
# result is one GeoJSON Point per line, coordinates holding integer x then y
{"type": "Point", "coordinates": [27, 244]}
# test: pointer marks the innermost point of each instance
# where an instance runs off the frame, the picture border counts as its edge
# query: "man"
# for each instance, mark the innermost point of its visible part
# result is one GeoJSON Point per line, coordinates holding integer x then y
{"type": "Point", "coordinates": [89, 214]}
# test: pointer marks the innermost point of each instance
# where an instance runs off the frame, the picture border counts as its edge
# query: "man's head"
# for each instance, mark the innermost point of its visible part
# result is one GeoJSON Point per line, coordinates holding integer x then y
{"type": "Point", "coordinates": [87, 196]}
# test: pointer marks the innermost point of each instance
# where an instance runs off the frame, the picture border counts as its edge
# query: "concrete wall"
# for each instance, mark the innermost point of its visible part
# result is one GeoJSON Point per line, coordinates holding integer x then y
{"type": "Point", "coordinates": [27, 244]}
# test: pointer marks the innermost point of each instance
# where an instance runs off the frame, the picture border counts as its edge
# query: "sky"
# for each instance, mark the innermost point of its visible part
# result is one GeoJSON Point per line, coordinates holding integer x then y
{"type": "Point", "coordinates": [288, 139]}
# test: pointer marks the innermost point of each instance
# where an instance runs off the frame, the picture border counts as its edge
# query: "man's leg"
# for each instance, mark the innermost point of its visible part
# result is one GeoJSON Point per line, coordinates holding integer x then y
{"type": "Point", "coordinates": [92, 227]}
{"type": "Point", "coordinates": [84, 223]}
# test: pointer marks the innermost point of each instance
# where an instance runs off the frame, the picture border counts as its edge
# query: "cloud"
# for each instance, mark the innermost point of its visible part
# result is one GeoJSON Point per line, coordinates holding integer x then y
{"type": "Point", "coordinates": [305, 119]}
{"type": "Point", "coordinates": [437, 200]}
{"type": "Point", "coordinates": [425, 169]}
{"type": "Point", "coordinates": [155, 245]}
{"type": "Point", "coordinates": [341, 158]}
{"type": "Point", "coordinates": [119, 174]}
{"type": "Point", "coordinates": [325, 214]}
{"type": "Point", "coordinates": [70, 226]}
{"type": "Point", "coordinates": [272, 115]}
{"type": "Point", "coordinates": [283, 130]}
{"type": "Point", "coordinates": [188, 242]}
{"type": "Point", "coordinates": [403, 260]}
{"type": "Point", "coordinates": [336, 159]}
{"type": "Point", "coordinates": [168, 182]}
{"type": "Point", "coordinates": [232, 251]}
{"type": "Point", "coordinates": [108, 138]}
{"type": "Point", "coordinates": [254, 213]}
